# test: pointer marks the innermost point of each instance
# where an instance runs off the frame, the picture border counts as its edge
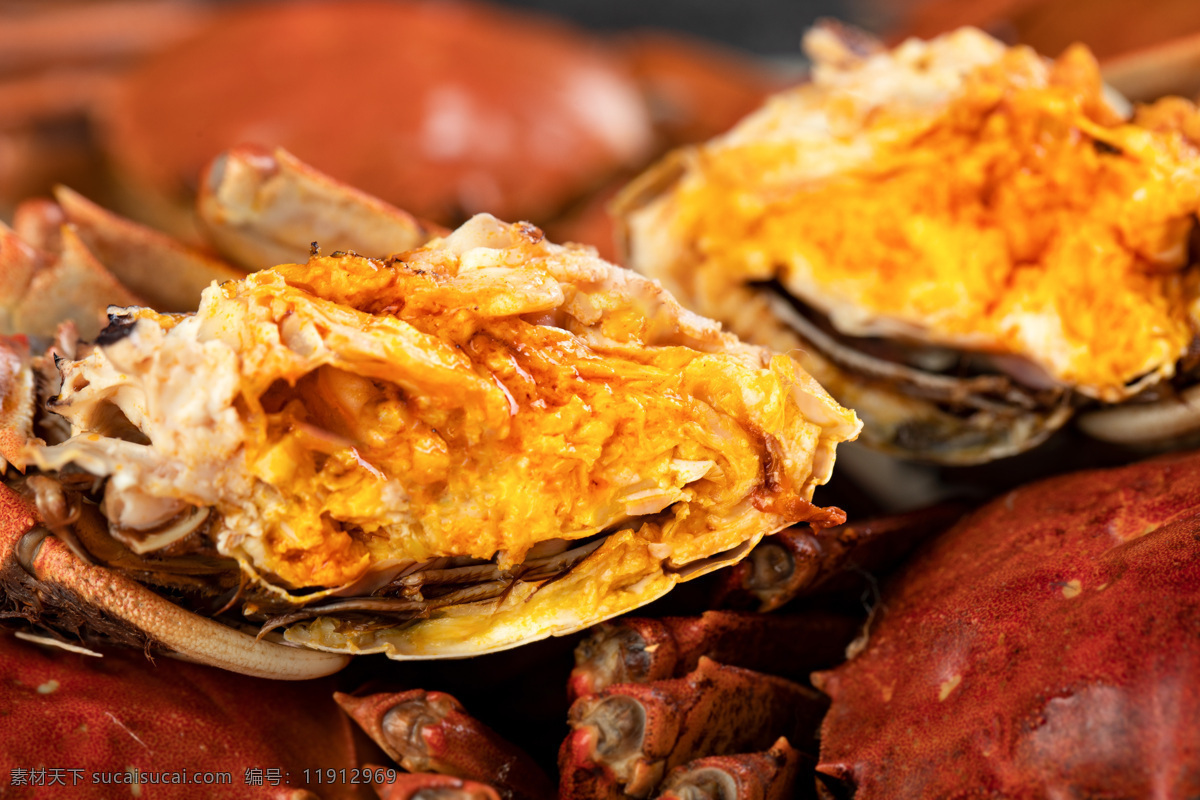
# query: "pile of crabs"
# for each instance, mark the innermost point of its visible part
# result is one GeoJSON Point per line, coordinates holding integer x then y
{"type": "Point", "coordinates": [991, 636]}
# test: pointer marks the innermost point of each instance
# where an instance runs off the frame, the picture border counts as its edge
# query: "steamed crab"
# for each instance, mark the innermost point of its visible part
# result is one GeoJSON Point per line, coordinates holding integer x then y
{"type": "Point", "coordinates": [369, 424]}
{"type": "Point", "coordinates": [968, 312]}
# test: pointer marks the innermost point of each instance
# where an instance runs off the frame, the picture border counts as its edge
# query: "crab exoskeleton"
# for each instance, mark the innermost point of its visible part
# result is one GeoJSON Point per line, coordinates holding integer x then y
{"type": "Point", "coordinates": [1044, 647]}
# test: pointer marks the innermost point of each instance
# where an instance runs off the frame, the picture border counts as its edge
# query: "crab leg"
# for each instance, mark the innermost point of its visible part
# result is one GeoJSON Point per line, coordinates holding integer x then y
{"type": "Point", "coordinates": [105, 33]}
{"type": "Point", "coordinates": [38, 292]}
{"type": "Point", "coordinates": [407, 786]}
{"type": "Point", "coordinates": [1153, 72]}
{"type": "Point", "coordinates": [168, 274]}
{"type": "Point", "coordinates": [263, 208]}
{"type": "Point", "coordinates": [625, 738]}
{"type": "Point", "coordinates": [431, 731]}
{"type": "Point", "coordinates": [800, 558]}
{"type": "Point", "coordinates": [754, 776]}
{"type": "Point", "coordinates": [640, 650]}
{"type": "Point", "coordinates": [1142, 423]}
{"type": "Point", "coordinates": [38, 223]}
{"type": "Point", "coordinates": [39, 571]}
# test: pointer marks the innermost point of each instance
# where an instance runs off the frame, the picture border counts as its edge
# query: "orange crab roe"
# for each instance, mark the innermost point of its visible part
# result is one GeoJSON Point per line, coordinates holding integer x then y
{"type": "Point", "coordinates": [1023, 217]}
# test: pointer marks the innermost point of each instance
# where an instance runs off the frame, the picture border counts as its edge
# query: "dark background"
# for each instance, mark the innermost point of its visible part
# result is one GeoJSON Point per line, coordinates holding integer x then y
{"type": "Point", "coordinates": [767, 27]}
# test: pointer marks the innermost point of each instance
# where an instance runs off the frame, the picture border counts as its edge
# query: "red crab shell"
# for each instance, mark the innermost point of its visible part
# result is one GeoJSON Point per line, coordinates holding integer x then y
{"type": "Point", "coordinates": [442, 108]}
{"type": "Point", "coordinates": [1047, 646]}
{"type": "Point", "coordinates": [120, 713]}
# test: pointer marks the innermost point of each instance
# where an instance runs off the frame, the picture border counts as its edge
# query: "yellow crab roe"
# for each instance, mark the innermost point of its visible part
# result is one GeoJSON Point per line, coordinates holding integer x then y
{"type": "Point", "coordinates": [1022, 218]}
{"type": "Point", "coordinates": [416, 413]}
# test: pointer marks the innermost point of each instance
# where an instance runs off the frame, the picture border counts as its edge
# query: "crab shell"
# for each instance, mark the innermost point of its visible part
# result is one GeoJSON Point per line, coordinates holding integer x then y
{"type": "Point", "coordinates": [462, 107]}
{"type": "Point", "coordinates": [77, 716]}
{"type": "Point", "coordinates": [1044, 647]}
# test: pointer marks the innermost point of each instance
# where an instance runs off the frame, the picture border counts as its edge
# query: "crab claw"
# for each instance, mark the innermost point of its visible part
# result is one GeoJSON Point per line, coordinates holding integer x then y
{"type": "Point", "coordinates": [431, 731]}
{"type": "Point", "coordinates": [46, 581]}
{"type": "Point", "coordinates": [72, 259]}
{"type": "Point", "coordinates": [753, 776]}
{"type": "Point", "coordinates": [625, 739]}
{"type": "Point", "coordinates": [407, 786]}
{"type": "Point", "coordinates": [263, 208]}
{"type": "Point", "coordinates": [641, 650]}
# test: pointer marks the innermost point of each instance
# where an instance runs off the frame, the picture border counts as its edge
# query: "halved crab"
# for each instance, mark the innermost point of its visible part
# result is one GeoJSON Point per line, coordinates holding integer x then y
{"type": "Point", "coordinates": [484, 441]}
{"type": "Point", "coordinates": [964, 240]}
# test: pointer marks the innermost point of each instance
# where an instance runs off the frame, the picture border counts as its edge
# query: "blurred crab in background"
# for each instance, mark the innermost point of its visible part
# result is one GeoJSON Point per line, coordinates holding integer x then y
{"type": "Point", "coordinates": [480, 109]}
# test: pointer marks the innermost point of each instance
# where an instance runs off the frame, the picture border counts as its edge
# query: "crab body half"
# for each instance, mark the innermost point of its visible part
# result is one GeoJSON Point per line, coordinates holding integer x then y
{"type": "Point", "coordinates": [483, 441]}
{"type": "Point", "coordinates": [965, 241]}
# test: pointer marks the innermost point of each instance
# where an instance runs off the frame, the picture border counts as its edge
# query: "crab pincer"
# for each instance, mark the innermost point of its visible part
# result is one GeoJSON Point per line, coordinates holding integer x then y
{"type": "Point", "coordinates": [641, 650]}
{"type": "Point", "coordinates": [750, 776]}
{"type": "Point", "coordinates": [432, 732]}
{"type": "Point", "coordinates": [626, 738]}
{"type": "Point", "coordinates": [264, 207]}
